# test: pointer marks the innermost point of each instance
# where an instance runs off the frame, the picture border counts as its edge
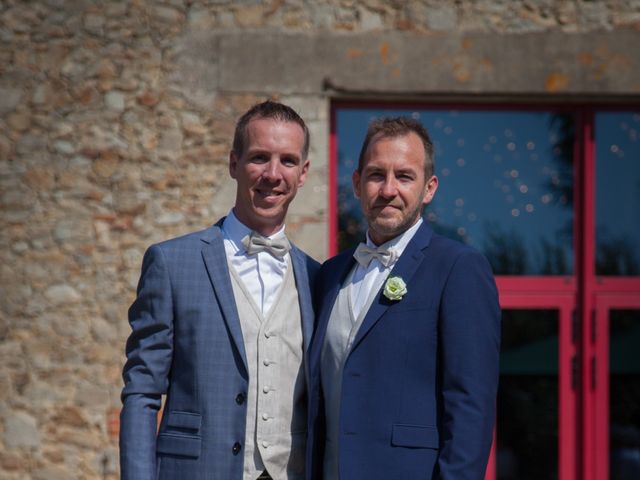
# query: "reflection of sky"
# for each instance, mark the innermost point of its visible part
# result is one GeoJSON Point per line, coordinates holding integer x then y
{"type": "Point", "coordinates": [618, 178]}
{"type": "Point", "coordinates": [497, 170]}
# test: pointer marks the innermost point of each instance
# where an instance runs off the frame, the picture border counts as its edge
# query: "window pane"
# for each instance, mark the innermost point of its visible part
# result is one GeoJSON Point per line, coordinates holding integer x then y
{"type": "Point", "coordinates": [506, 183]}
{"type": "Point", "coordinates": [617, 193]}
{"type": "Point", "coordinates": [624, 395]}
{"type": "Point", "coordinates": [527, 423]}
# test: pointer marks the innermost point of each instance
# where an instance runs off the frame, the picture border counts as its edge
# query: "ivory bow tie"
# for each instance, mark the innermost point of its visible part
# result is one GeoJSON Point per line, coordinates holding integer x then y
{"type": "Point", "coordinates": [277, 247]}
{"type": "Point", "coordinates": [365, 254]}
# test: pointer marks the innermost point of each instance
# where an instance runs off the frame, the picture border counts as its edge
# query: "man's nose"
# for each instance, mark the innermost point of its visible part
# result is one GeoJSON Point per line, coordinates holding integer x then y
{"type": "Point", "coordinates": [389, 188]}
{"type": "Point", "coordinates": [272, 171]}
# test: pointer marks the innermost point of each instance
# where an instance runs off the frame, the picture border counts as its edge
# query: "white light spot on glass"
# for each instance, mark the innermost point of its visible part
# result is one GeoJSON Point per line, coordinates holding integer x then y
{"type": "Point", "coordinates": [432, 216]}
{"type": "Point", "coordinates": [529, 207]}
{"type": "Point", "coordinates": [523, 189]}
{"type": "Point", "coordinates": [514, 173]}
{"type": "Point", "coordinates": [633, 135]}
{"type": "Point", "coordinates": [509, 199]}
{"type": "Point", "coordinates": [486, 147]}
{"type": "Point", "coordinates": [614, 148]}
{"type": "Point", "coordinates": [415, 115]}
{"type": "Point", "coordinates": [459, 202]}
{"type": "Point", "coordinates": [497, 158]}
{"type": "Point", "coordinates": [531, 146]}
{"type": "Point", "coordinates": [515, 212]}
{"type": "Point", "coordinates": [493, 139]}
{"type": "Point", "coordinates": [461, 231]}
{"type": "Point", "coordinates": [636, 117]}
{"type": "Point", "coordinates": [445, 172]}
{"type": "Point", "coordinates": [534, 157]}
{"type": "Point", "coordinates": [460, 142]}
{"type": "Point", "coordinates": [448, 130]}
{"type": "Point", "coordinates": [461, 162]}
{"type": "Point", "coordinates": [508, 133]}
{"type": "Point", "coordinates": [472, 217]}
{"type": "Point", "coordinates": [546, 198]}
{"type": "Point", "coordinates": [511, 146]}
{"type": "Point", "coordinates": [505, 188]}
{"type": "Point", "coordinates": [557, 151]}
{"type": "Point", "coordinates": [438, 122]}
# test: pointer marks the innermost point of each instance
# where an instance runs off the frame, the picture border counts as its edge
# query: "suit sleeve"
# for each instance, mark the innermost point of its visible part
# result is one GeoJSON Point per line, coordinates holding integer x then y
{"type": "Point", "coordinates": [149, 352]}
{"type": "Point", "coordinates": [469, 342]}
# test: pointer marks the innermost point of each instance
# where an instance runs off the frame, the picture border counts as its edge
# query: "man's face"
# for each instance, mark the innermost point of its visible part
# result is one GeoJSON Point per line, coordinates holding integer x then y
{"type": "Point", "coordinates": [268, 172]}
{"type": "Point", "coordinates": [392, 187]}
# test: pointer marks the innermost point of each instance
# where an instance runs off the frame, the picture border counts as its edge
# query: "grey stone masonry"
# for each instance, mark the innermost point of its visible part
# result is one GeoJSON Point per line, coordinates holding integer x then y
{"type": "Point", "coordinates": [116, 120]}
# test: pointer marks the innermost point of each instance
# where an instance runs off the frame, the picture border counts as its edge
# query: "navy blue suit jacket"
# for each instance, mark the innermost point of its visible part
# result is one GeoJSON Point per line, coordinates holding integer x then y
{"type": "Point", "coordinates": [419, 383]}
{"type": "Point", "coordinates": [186, 342]}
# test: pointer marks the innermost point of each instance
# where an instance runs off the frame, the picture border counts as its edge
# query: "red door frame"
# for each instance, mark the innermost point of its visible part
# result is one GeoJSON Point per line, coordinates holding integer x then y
{"type": "Point", "coordinates": [583, 423]}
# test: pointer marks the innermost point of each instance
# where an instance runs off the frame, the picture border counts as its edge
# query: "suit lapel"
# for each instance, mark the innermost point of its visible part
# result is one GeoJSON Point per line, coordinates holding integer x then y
{"type": "Point", "coordinates": [405, 268]}
{"type": "Point", "coordinates": [333, 283]}
{"type": "Point", "coordinates": [215, 260]}
{"type": "Point", "coordinates": [304, 294]}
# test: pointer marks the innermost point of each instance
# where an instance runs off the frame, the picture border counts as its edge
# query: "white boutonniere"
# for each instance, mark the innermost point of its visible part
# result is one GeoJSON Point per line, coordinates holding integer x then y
{"type": "Point", "coordinates": [394, 288]}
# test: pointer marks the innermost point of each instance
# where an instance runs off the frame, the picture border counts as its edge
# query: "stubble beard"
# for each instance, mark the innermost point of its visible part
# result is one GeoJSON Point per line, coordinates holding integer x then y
{"type": "Point", "coordinates": [394, 229]}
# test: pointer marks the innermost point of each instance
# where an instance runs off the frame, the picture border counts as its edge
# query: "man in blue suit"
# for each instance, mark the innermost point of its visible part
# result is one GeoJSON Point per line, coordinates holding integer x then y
{"type": "Point", "coordinates": [221, 326]}
{"type": "Point", "coordinates": [404, 361]}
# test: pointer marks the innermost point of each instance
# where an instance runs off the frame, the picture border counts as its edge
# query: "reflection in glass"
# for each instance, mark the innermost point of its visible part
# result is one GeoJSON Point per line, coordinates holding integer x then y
{"type": "Point", "coordinates": [506, 184]}
{"type": "Point", "coordinates": [617, 193]}
{"type": "Point", "coordinates": [624, 395]}
{"type": "Point", "coordinates": [527, 423]}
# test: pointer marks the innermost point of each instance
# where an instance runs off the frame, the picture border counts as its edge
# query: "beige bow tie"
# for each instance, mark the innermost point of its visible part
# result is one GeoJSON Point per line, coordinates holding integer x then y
{"type": "Point", "coordinates": [277, 247]}
{"type": "Point", "coordinates": [365, 254]}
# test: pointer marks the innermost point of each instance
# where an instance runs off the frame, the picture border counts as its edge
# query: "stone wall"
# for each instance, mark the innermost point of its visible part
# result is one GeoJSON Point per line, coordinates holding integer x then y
{"type": "Point", "coordinates": [115, 127]}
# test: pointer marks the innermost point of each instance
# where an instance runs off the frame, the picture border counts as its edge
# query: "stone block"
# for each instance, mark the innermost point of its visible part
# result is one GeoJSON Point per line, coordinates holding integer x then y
{"type": "Point", "coordinates": [20, 430]}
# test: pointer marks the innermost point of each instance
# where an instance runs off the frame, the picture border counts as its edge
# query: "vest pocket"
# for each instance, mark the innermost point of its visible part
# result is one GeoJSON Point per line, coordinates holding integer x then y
{"type": "Point", "coordinates": [415, 436]}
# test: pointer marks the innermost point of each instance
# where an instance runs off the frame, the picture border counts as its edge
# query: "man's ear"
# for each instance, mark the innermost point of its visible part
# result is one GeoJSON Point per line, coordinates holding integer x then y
{"type": "Point", "coordinates": [303, 173]}
{"type": "Point", "coordinates": [233, 164]}
{"type": "Point", "coordinates": [430, 190]}
{"type": "Point", "coordinates": [355, 180]}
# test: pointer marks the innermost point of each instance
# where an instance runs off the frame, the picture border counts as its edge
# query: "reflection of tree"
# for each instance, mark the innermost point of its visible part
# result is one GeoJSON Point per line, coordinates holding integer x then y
{"type": "Point", "coordinates": [561, 183]}
{"type": "Point", "coordinates": [351, 224]}
{"type": "Point", "coordinates": [615, 255]}
{"type": "Point", "coordinates": [505, 251]}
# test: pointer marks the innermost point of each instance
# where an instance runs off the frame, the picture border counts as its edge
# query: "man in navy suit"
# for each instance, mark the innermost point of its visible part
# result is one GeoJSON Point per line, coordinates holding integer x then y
{"type": "Point", "coordinates": [404, 360]}
{"type": "Point", "coordinates": [221, 326]}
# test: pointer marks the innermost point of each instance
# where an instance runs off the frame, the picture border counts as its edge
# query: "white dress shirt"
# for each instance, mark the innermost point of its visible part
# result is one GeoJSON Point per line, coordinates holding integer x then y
{"type": "Point", "coordinates": [365, 281]}
{"type": "Point", "coordinates": [261, 273]}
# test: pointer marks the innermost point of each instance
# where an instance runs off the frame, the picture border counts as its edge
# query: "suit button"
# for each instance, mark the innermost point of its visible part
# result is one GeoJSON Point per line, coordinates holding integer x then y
{"type": "Point", "coordinates": [240, 398]}
{"type": "Point", "coordinates": [236, 448]}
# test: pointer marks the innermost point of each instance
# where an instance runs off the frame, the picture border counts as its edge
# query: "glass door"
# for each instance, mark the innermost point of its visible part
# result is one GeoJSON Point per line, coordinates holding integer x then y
{"type": "Point", "coordinates": [535, 429]}
{"type": "Point", "coordinates": [616, 387]}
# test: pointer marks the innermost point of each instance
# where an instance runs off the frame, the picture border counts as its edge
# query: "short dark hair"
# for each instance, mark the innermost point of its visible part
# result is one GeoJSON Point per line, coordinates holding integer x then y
{"type": "Point", "coordinates": [275, 111]}
{"type": "Point", "coordinates": [391, 127]}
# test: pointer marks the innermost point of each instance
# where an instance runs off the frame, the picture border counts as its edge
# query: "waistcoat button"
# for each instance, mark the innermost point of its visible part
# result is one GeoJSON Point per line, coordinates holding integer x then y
{"type": "Point", "coordinates": [236, 448]}
{"type": "Point", "coordinates": [240, 398]}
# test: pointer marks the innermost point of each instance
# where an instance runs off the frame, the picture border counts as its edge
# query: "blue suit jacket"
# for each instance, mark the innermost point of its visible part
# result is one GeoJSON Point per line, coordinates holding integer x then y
{"type": "Point", "coordinates": [186, 342]}
{"type": "Point", "coordinates": [419, 384]}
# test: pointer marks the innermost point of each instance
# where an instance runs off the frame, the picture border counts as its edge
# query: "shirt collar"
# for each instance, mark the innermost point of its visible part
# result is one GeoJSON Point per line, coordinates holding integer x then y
{"type": "Point", "coordinates": [234, 231]}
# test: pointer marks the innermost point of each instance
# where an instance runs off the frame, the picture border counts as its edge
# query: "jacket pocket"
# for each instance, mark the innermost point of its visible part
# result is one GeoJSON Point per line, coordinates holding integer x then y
{"type": "Point", "coordinates": [416, 436]}
{"type": "Point", "coordinates": [184, 420]}
{"type": "Point", "coordinates": [179, 444]}
{"type": "Point", "coordinates": [180, 435]}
